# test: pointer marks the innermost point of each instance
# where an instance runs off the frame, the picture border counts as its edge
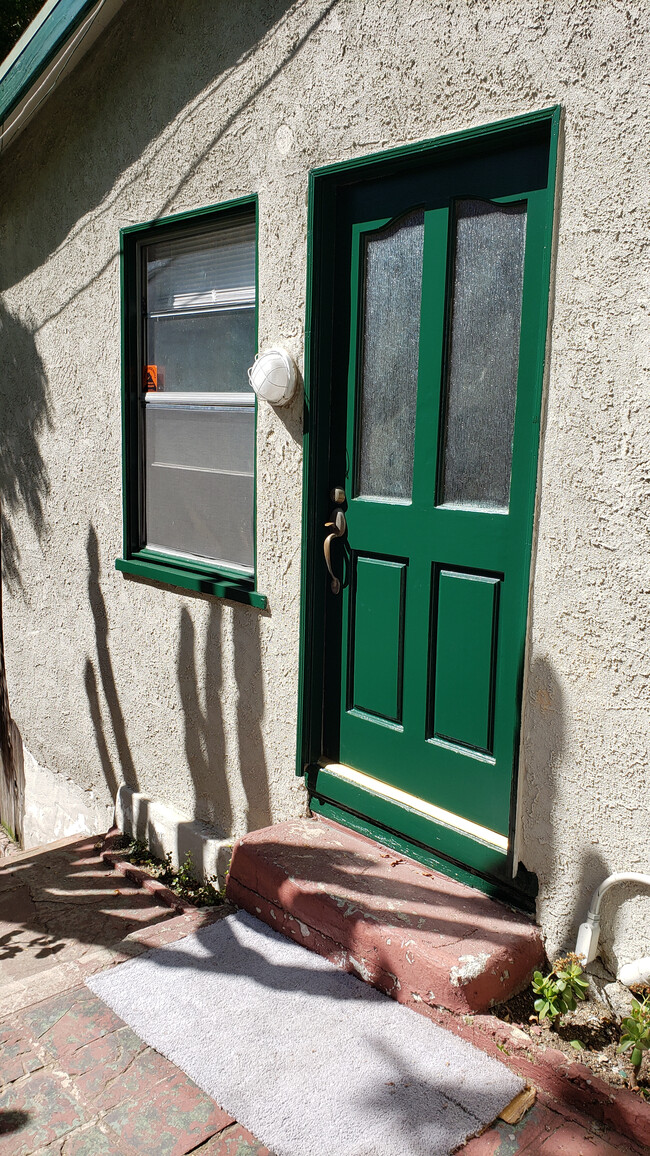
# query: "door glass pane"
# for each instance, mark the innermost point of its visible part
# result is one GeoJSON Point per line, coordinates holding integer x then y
{"type": "Point", "coordinates": [199, 481]}
{"type": "Point", "coordinates": [483, 354]}
{"type": "Point", "coordinates": [389, 364]}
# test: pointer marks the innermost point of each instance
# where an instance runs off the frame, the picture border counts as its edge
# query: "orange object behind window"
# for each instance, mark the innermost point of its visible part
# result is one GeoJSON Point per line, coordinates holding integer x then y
{"type": "Point", "coordinates": [150, 375]}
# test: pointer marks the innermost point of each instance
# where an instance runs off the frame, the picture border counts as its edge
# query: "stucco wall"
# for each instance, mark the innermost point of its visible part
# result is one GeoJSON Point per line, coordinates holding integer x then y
{"type": "Point", "coordinates": [191, 700]}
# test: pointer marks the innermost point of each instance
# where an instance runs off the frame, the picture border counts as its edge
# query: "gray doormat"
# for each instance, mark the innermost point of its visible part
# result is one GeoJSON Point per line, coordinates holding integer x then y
{"type": "Point", "coordinates": [308, 1058]}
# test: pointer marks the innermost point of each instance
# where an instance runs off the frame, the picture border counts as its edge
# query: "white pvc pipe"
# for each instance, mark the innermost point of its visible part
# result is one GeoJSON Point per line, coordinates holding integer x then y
{"type": "Point", "coordinates": [617, 877]}
{"type": "Point", "coordinates": [589, 932]}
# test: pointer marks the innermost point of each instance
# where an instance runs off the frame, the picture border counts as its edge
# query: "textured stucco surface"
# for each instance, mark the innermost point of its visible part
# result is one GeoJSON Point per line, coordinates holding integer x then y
{"type": "Point", "coordinates": [55, 807]}
{"type": "Point", "coordinates": [192, 701]}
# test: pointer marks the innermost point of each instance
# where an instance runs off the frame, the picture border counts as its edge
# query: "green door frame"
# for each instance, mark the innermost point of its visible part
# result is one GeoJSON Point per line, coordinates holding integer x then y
{"type": "Point", "coordinates": [387, 820]}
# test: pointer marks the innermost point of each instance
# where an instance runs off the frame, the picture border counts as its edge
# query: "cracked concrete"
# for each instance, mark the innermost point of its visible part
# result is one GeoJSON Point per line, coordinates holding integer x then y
{"type": "Point", "coordinates": [470, 967]}
{"type": "Point", "coordinates": [403, 929]}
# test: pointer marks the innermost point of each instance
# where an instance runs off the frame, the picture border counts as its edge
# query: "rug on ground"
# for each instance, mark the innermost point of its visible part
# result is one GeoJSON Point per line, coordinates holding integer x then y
{"type": "Point", "coordinates": [304, 1055]}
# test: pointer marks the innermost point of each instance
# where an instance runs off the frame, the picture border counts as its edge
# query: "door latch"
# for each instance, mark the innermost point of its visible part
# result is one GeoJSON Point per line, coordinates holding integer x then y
{"type": "Point", "coordinates": [337, 527]}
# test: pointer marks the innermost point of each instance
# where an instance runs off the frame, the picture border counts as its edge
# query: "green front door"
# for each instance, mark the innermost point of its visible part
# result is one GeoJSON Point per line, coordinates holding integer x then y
{"type": "Point", "coordinates": [438, 303]}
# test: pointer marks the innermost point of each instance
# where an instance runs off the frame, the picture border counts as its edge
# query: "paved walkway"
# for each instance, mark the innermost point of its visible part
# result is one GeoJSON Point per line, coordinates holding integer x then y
{"type": "Point", "coordinates": [76, 1081]}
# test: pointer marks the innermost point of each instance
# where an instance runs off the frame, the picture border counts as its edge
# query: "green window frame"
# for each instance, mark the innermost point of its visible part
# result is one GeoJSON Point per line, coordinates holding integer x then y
{"type": "Point", "coordinates": [173, 567]}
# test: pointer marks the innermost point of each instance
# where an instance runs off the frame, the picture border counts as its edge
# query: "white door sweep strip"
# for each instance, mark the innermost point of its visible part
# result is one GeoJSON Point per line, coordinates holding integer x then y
{"type": "Point", "coordinates": [456, 822]}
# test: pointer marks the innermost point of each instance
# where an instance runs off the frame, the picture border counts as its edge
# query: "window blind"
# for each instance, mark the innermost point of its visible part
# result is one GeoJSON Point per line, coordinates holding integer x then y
{"type": "Point", "coordinates": [214, 269]}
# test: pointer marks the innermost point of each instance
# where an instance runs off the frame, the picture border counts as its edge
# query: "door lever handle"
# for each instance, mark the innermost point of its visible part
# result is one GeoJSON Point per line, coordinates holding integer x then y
{"type": "Point", "coordinates": [338, 526]}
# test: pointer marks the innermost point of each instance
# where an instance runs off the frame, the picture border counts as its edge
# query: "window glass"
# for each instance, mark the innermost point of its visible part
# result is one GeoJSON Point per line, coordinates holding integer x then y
{"type": "Point", "coordinates": [198, 341]}
{"type": "Point", "coordinates": [200, 320]}
{"type": "Point", "coordinates": [206, 352]}
{"type": "Point", "coordinates": [199, 481]}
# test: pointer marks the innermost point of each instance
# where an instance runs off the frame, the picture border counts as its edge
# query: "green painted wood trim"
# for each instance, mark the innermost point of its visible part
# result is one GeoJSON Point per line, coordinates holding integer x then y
{"type": "Point", "coordinates": [384, 159]}
{"type": "Point", "coordinates": [48, 38]}
{"type": "Point", "coordinates": [254, 202]}
{"type": "Point", "coordinates": [323, 185]}
{"type": "Point", "coordinates": [195, 565]}
{"type": "Point", "coordinates": [314, 480]}
{"type": "Point", "coordinates": [497, 888]}
{"type": "Point", "coordinates": [192, 580]}
{"type": "Point", "coordinates": [128, 359]}
{"type": "Point", "coordinates": [222, 581]}
{"type": "Point", "coordinates": [554, 116]}
{"type": "Point", "coordinates": [160, 224]}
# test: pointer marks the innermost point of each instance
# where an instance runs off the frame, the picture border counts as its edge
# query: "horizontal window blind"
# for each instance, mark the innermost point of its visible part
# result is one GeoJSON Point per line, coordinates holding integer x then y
{"type": "Point", "coordinates": [213, 269]}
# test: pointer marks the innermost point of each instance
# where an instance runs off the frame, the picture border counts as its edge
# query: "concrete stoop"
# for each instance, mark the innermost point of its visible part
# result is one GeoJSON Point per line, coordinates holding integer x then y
{"type": "Point", "coordinates": [421, 937]}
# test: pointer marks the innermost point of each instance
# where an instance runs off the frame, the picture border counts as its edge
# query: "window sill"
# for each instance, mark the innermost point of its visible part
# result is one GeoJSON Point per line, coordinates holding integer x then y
{"type": "Point", "coordinates": [236, 591]}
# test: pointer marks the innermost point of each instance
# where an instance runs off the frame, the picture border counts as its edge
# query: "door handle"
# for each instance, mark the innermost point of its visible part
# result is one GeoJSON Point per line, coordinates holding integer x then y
{"type": "Point", "coordinates": [339, 527]}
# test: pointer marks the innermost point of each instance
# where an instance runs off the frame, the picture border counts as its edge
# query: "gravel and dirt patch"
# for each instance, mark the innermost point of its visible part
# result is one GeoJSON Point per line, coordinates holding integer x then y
{"type": "Point", "coordinates": [180, 881]}
{"type": "Point", "coordinates": [590, 1034]}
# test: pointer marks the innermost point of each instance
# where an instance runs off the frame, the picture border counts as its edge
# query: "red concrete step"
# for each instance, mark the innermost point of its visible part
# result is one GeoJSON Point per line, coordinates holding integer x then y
{"type": "Point", "coordinates": [415, 934]}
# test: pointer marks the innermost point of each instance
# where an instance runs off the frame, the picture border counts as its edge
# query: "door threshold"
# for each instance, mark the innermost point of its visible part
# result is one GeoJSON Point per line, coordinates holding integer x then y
{"type": "Point", "coordinates": [447, 818]}
{"type": "Point", "coordinates": [348, 797]}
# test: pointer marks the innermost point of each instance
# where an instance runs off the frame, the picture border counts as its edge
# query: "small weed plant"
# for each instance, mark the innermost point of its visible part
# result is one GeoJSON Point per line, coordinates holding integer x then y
{"type": "Point", "coordinates": [635, 1036]}
{"type": "Point", "coordinates": [560, 990]}
{"type": "Point", "coordinates": [182, 882]}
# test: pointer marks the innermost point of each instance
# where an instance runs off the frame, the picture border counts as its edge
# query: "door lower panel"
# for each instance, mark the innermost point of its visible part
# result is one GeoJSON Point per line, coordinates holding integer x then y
{"type": "Point", "coordinates": [464, 636]}
{"type": "Point", "coordinates": [377, 642]}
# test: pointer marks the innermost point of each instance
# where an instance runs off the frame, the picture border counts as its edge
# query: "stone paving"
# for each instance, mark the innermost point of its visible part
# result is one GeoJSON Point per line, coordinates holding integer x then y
{"type": "Point", "coordinates": [76, 1081]}
{"type": "Point", "coordinates": [546, 1132]}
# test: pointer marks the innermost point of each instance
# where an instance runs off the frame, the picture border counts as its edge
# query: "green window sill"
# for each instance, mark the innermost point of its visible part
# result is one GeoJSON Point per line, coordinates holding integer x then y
{"type": "Point", "coordinates": [235, 590]}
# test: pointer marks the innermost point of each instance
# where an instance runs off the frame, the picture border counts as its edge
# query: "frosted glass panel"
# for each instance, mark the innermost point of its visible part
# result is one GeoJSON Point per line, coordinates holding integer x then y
{"type": "Point", "coordinates": [205, 352]}
{"type": "Point", "coordinates": [389, 365]}
{"type": "Point", "coordinates": [484, 353]}
{"type": "Point", "coordinates": [199, 481]}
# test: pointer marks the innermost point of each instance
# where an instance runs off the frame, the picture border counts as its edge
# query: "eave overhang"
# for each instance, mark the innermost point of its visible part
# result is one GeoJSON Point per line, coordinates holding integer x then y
{"type": "Point", "coordinates": [52, 45]}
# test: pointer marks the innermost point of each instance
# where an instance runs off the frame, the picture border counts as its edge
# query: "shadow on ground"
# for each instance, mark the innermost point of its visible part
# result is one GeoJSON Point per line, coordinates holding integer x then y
{"type": "Point", "coordinates": [57, 902]}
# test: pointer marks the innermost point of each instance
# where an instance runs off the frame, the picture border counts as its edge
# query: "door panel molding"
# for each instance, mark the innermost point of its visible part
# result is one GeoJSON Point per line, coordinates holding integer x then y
{"type": "Point", "coordinates": [376, 644]}
{"type": "Point", "coordinates": [463, 662]}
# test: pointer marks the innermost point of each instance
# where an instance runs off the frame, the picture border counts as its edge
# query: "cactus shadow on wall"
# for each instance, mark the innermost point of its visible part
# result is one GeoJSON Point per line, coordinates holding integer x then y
{"type": "Point", "coordinates": [544, 741]}
{"type": "Point", "coordinates": [108, 682]}
{"type": "Point", "coordinates": [250, 712]}
{"type": "Point", "coordinates": [200, 683]}
{"type": "Point", "coordinates": [207, 697]}
{"type": "Point", "coordinates": [26, 414]}
{"type": "Point", "coordinates": [183, 54]}
{"type": "Point", "coordinates": [574, 880]}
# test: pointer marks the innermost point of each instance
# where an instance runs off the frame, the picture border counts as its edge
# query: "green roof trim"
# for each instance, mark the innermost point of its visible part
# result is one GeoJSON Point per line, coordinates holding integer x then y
{"type": "Point", "coordinates": [49, 36]}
